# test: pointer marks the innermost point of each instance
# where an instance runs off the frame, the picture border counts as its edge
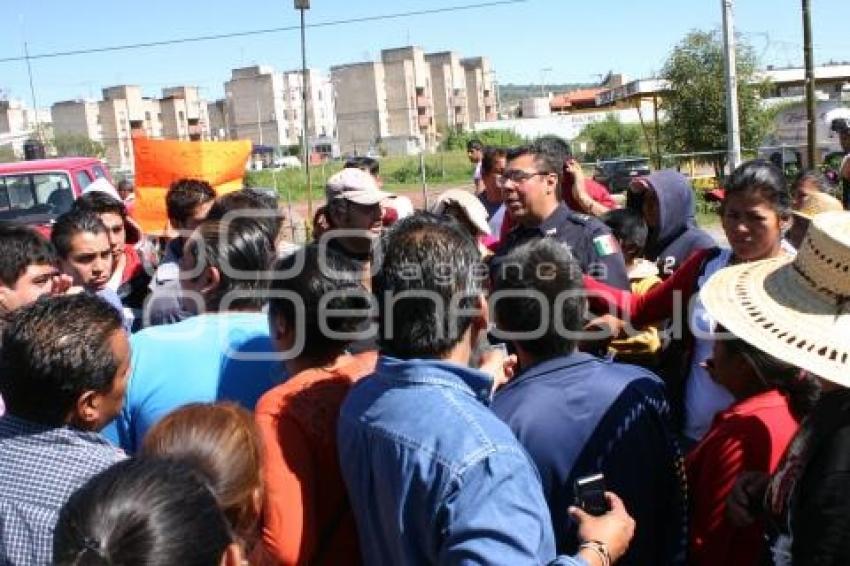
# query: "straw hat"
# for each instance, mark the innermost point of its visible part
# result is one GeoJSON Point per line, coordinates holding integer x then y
{"type": "Point", "coordinates": [817, 203]}
{"type": "Point", "coordinates": [797, 310]}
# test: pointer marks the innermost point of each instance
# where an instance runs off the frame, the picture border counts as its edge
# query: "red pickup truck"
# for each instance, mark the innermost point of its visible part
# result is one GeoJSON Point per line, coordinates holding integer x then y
{"type": "Point", "coordinates": [36, 192]}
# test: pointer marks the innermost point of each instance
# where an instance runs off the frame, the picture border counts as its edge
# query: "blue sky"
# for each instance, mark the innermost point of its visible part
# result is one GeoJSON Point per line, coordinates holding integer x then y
{"type": "Point", "coordinates": [575, 41]}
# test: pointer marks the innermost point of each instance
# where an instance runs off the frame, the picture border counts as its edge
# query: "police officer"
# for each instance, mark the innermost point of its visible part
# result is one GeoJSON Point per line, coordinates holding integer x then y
{"type": "Point", "coordinates": [841, 126]}
{"type": "Point", "coordinates": [530, 186]}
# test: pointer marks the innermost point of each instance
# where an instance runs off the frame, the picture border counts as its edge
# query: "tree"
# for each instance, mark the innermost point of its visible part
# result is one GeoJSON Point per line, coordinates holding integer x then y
{"type": "Point", "coordinates": [7, 154]}
{"type": "Point", "coordinates": [75, 145]}
{"type": "Point", "coordinates": [696, 104]}
{"type": "Point", "coordinates": [456, 139]}
{"type": "Point", "coordinates": [611, 138]}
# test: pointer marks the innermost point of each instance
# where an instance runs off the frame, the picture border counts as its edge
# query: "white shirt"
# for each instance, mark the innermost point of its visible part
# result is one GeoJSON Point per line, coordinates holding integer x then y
{"type": "Point", "coordinates": [703, 397]}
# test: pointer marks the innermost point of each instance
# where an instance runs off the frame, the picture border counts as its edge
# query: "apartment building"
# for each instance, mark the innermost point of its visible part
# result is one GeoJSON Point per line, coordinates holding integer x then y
{"type": "Point", "coordinates": [183, 114]}
{"type": "Point", "coordinates": [124, 112]}
{"type": "Point", "coordinates": [406, 101]}
{"type": "Point", "coordinates": [482, 103]}
{"type": "Point", "coordinates": [18, 123]}
{"type": "Point", "coordinates": [448, 85]}
{"type": "Point", "coordinates": [362, 117]}
{"type": "Point", "coordinates": [256, 107]}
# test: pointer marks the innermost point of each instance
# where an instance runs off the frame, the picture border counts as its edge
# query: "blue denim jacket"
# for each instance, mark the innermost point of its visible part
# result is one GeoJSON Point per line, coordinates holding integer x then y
{"type": "Point", "coordinates": [434, 477]}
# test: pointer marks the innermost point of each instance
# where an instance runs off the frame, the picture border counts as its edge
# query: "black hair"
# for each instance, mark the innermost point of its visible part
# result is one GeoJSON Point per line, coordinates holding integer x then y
{"type": "Point", "coordinates": [156, 512]}
{"type": "Point", "coordinates": [488, 160]}
{"type": "Point", "coordinates": [313, 273]}
{"type": "Point", "coordinates": [100, 203]}
{"type": "Point", "coordinates": [799, 387]}
{"type": "Point", "coordinates": [429, 270]}
{"type": "Point", "coordinates": [367, 164]}
{"type": "Point", "coordinates": [628, 226]}
{"type": "Point", "coordinates": [546, 160]}
{"type": "Point", "coordinates": [474, 143]}
{"type": "Point", "coordinates": [555, 146]}
{"type": "Point", "coordinates": [241, 252]}
{"type": "Point", "coordinates": [547, 269]}
{"type": "Point", "coordinates": [54, 350]}
{"type": "Point", "coordinates": [184, 196]}
{"type": "Point", "coordinates": [72, 223]}
{"type": "Point", "coordinates": [763, 178]}
{"type": "Point", "coordinates": [20, 247]}
{"type": "Point", "coordinates": [124, 184]}
{"type": "Point", "coordinates": [247, 200]}
{"type": "Point", "coordinates": [811, 176]}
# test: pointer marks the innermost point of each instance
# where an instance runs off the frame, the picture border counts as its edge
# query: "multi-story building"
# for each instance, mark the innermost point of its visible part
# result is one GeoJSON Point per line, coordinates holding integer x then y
{"type": "Point", "coordinates": [449, 89]}
{"type": "Point", "coordinates": [362, 117]}
{"type": "Point", "coordinates": [321, 120]}
{"type": "Point", "coordinates": [19, 122]}
{"type": "Point", "coordinates": [183, 114]}
{"type": "Point", "coordinates": [399, 104]}
{"type": "Point", "coordinates": [480, 89]}
{"type": "Point", "coordinates": [410, 102]}
{"type": "Point", "coordinates": [124, 112]}
{"type": "Point", "coordinates": [218, 124]}
{"type": "Point", "coordinates": [265, 106]}
{"type": "Point", "coordinates": [256, 108]}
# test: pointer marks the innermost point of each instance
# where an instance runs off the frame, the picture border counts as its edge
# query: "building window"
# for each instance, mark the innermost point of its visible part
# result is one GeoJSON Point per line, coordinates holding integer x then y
{"type": "Point", "coordinates": [180, 116]}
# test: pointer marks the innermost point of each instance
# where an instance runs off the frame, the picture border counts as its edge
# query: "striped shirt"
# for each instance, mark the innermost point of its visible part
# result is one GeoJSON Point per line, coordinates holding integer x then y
{"type": "Point", "coordinates": [40, 467]}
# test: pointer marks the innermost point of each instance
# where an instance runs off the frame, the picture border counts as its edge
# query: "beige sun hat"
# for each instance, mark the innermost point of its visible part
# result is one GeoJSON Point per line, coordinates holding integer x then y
{"type": "Point", "coordinates": [795, 309]}
{"type": "Point", "coordinates": [817, 203]}
{"type": "Point", "coordinates": [468, 203]}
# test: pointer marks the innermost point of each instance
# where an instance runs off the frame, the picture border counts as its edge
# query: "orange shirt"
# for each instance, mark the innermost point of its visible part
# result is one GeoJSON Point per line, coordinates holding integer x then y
{"type": "Point", "coordinates": [307, 517]}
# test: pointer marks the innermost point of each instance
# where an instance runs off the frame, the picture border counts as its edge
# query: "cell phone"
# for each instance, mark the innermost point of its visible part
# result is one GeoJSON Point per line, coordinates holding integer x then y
{"type": "Point", "coordinates": [590, 494]}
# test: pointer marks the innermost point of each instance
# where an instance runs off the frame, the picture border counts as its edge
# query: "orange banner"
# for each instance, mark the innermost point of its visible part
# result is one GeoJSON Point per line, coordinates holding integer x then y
{"type": "Point", "coordinates": [161, 162]}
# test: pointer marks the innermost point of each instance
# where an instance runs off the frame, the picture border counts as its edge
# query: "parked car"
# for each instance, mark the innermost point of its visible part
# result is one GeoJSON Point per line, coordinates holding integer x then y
{"type": "Point", "coordinates": [36, 192]}
{"type": "Point", "coordinates": [616, 174]}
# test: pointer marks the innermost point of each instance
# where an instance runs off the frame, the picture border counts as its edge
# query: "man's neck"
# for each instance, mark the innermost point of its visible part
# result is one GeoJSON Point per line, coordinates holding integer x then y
{"type": "Point", "coordinates": [535, 220]}
{"type": "Point", "coordinates": [296, 365]}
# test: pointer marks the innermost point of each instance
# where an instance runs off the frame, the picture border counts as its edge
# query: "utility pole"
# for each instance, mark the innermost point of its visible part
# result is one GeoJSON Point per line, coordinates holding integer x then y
{"type": "Point", "coordinates": [32, 93]}
{"type": "Point", "coordinates": [303, 5]}
{"type": "Point", "coordinates": [733, 132]}
{"type": "Point", "coordinates": [811, 147]}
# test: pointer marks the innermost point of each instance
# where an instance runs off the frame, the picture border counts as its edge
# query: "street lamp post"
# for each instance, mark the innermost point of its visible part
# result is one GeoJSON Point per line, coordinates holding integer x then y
{"type": "Point", "coordinates": [303, 5]}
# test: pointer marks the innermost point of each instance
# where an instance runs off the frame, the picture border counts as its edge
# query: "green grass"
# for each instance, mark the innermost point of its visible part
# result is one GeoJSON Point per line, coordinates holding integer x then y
{"type": "Point", "coordinates": [400, 174]}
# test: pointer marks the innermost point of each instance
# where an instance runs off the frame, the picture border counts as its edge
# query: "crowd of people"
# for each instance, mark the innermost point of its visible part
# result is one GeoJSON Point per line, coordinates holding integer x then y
{"type": "Point", "coordinates": [525, 373]}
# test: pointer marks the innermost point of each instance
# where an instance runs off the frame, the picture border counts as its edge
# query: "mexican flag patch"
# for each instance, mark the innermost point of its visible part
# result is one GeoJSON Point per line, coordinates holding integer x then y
{"type": "Point", "coordinates": [605, 245]}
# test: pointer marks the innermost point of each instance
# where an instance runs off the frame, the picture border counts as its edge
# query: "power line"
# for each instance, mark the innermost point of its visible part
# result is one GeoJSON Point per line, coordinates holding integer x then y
{"type": "Point", "coordinates": [330, 23]}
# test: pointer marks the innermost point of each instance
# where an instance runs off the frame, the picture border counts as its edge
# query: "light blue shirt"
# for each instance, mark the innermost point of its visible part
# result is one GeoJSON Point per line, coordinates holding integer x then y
{"type": "Point", "coordinates": [434, 477]}
{"type": "Point", "coordinates": [203, 359]}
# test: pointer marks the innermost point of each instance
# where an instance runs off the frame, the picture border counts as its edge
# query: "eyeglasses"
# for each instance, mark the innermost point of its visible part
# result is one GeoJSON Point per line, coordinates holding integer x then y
{"type": "Point", "coordinates": [518, 176]}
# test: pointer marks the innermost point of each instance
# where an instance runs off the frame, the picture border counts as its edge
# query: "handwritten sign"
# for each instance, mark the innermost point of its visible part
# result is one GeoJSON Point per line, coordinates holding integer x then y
{"type": "Point", "coordinates": [161, 162]}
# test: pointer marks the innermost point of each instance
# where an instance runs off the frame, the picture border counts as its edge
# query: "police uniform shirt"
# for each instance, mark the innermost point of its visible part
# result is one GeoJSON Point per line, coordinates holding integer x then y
{"type": "Point", "coordinates": [590, 242]}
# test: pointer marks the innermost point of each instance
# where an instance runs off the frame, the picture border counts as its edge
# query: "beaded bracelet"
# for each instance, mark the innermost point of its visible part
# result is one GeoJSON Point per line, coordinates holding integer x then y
{"type": "Point", "coordinates": [600, 548]}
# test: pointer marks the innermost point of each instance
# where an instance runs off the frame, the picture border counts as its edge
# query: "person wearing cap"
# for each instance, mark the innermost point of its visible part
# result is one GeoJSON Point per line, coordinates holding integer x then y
{"type": "Point", "coordinates": [353, 208]}
{"type": "Point", "coordinates": [805, 208]}
{"type": "Point", "coordinates": [467, 209]}
{"type": "Point", "coordinates": [797, 310]}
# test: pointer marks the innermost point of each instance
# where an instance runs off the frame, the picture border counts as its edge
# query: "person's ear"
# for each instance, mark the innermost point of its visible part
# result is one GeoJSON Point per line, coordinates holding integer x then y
{"type": "Point", "coordinates": [481, 322]}
{"type": "Point", "coordinates": [209, 281]}
{"type": "Point", "coordinates": [87, 410]}
{"type": "Point", "coordinates": [232, 555]}
{"type": "Point", "coordinates": [6, 301]}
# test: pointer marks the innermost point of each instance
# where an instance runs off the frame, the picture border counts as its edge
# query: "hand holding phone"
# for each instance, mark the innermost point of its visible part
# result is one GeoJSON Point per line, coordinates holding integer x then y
{"type": "Point", "coordinates": [590, 495]}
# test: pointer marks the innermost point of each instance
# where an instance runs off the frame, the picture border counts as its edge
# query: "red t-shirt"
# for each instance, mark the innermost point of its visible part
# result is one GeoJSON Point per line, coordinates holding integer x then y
{"type": "Point", "coordinates": [752, 435]}
{"type": "Point", "coordinates": [594, 190]}
{"type": "Point", "coordinates": [305, 498]}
